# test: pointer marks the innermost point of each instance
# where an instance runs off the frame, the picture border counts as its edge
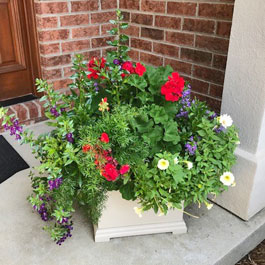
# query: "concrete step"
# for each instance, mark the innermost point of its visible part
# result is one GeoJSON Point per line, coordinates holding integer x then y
{"type": "Point", "coordinates": [216, 238]}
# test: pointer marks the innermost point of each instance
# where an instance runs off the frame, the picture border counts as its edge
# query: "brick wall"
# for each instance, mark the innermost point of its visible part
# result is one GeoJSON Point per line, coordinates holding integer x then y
{"type": "Point", "coordinates": [192, 36]}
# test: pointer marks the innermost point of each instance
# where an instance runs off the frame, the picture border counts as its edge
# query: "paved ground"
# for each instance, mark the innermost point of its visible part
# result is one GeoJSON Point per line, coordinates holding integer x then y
{"type": "Point", "coordinates": [216, 238]}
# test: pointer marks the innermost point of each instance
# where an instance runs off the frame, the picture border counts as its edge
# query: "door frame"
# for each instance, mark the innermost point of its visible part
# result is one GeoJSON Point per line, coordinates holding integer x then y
{"type": "Point", "coordinates": [32, 37]}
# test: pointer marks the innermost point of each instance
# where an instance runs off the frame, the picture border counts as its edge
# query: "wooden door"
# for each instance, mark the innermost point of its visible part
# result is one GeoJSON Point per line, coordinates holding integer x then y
{"type": "Point", "coordinates": [19, 57]}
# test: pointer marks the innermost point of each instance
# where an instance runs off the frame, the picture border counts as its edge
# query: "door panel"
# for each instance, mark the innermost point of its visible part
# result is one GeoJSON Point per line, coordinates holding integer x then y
{"type": "Point", "coordinates": [16, 77]}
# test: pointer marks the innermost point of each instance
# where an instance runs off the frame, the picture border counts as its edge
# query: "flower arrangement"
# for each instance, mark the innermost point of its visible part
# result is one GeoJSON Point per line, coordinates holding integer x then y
{"type": "Point", "coordinates": [126, 127]}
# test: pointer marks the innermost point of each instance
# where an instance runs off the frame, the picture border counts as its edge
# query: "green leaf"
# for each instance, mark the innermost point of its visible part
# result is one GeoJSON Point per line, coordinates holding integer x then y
{"type": "Point", "coordinates": [127, 191]}
{"type": "Point", "coordinates": [137, 81]}
{"type": "Point", "coordinates": [124, 25]}
{"type": "Point", "coordinates": [113, 22]}
{"type": "Point", "coordinates": [178, 175]}
{"type": "Point", "coordinates": [171, 133]}
{"type": "Point", "coordinates": [159, 114]}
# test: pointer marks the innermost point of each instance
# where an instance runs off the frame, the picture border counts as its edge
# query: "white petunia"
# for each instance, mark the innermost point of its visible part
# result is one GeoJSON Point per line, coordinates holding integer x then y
{"type": "Point", "coordinates": [189, 164]}
{"type": "Point", "coordinates": [225, 120]}
{"type": "Point", "coordinates": [227, 179]}
{"type": "Point", "coordinates": [138, 211]}
{"type": "Point", "coordinates": [163, 164]}
{"type": "Point", "coordinates": [176, 160]}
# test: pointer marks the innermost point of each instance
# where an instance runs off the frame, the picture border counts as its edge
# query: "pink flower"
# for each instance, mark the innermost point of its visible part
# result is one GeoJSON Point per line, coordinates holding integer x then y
{"type": "Point", "coordinates": [124, 169]}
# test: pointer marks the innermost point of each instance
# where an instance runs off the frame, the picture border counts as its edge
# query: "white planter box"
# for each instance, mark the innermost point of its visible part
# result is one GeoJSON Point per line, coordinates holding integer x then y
{"type": "Point", "coordinates": [119, 220]}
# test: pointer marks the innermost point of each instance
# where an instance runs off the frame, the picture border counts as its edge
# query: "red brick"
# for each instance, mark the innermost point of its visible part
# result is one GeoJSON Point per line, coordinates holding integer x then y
{"type": "Point", "coordinates": [73, 46]}
{"type": "Point", "coordinates": [108, 4]}
{"type": "Point", "coordinates": [166, 49]}
{"type": "Point", "coordinates": [130, 4]}
{"type": "Point", "coordinates": [56, 60]}
{"type": "Point", "coordinates": [198, 85]}
{"type": "Point", "coordinates": [51, 8]}
{"type": "Point", "coordinates": [142, 19]}
{"type": "Point", "coordinates": [88, 55]}
{"type": "Point", "coordinates": [180, 8]}
{"type": "Point", "coordinates": [89, 5]}
{"type": "Point", "coordinates": [180, 38]}
{"type": "Point", "coordinates": [85, 32]}
{"type": "Point", "coordinates": [21, 112]}
{"type": "Point", "coordinates": [199, 25]}
{"type": "Point", "coordinates": [132, 31]}
{"type": "Point", "coordinates": [223, 28]}
{"type": "Point", "coordinates": [52, 35]}
{"type": "Point", "coordinates": [68, 71]}
{"type": "Point", "coordinates": [33, 110]}
{"type": "Point", "coordinates": [214, 104]}
{"type": "Point", "coordinates": [47, 22]}
{"type": "Point", "coordinates": [51, 74]}
{"type": "Point", "coordinates": [168, 22]}
{"type": "Point", "coordinates": [196, 56]}
{"type": "Point", "coordinates": [219, 11]}
{"type": "Point", "coordinates": [209, 74]}
{"type": "Point", "coordinates": [126, 16]}
{"type": "Point", "coordinates": [41, 105]}
{"type": "Point", "coordinates": [106, 50]}
{"type": "Point", "coordinates": [74, 20]}
{"type": "Point", "coordinates": [49, 48]}
{"type": "Point", "coordinates": [216, 91]}
{"type": "Point", "coordinates": [151, 59]}
{"type": "Point", "coordinates": [60, 84]}
{"type": "Point", "coordinates": [102, 17]}
{"type": "Point", "coordinates": [141, 44]}
{"type": "Point", "coordinates": [219, 61]}
{"type": "Point", "coordinates": [153, 6]}
{"type": "Point", "coordinates": [134, 55]}
{"type": "Point", "coordinates": [212, 43]}
{"type": "Point", "coordinates": [179, 66]}
{"type": "Point", "coordinates": [101, 42]}
{"type": "Point", "coordinates": [105, 28]}
{"type": "Point", "coordinates": [155, 34]}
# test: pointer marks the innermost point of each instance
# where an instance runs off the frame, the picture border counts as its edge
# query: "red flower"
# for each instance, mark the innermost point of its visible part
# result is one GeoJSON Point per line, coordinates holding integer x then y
{"type": "Point", "coordinates": [95, 63]}
{"type": "Point", "coordinates": [172, 89]}
{"type": "Point", "coordinates": [86, 148]}
{"type": "Point", "coordinates": [128, 66]}
{"type": "Point", "coordinates": [139, 69]}
{"type": "Point", "coordinates": [123, 75]}
{"type": "Point", "coordinates": [124, 169]}
{"type": "Point", "coordinates": [110, 172]}
{"type": "Point", "coordinates": [104, 138]}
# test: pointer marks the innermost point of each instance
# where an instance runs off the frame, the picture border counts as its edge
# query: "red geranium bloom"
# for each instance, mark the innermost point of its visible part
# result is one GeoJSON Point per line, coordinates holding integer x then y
{"type": "Point", "coordinates": [172, 89]}
{"type": "Point", "coordinates": [86, 148]}
{"type": "Point", "coordinates": [124, 169]}
{"type": "Point", "coordinates": [104, 138]}
{"type": "Point", "coordinates": [95, 63]}
{"type": "Point", "coordinates": [128, 66]}
{"type": "Point", "coordinates": [110, 172]}
{"type": "Point", "coordinates": [139, 69]}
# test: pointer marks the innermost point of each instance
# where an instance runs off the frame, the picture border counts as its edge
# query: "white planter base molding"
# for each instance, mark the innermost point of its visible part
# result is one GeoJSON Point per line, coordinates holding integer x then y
{"type": "Point", "coordinates": [120, 220]}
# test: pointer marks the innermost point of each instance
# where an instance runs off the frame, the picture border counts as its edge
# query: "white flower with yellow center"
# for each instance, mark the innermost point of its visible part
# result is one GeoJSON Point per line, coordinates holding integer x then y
{"type": "Point", "coordinates": [163, 164]}
{"type": "Point", "coordinates": [189, 164]}
{"type": "Point", "coordinates": [227, 179]}
{"type": "Point", "coordinates": [138, 211]}
{"type": "Point", "coordinates": [176, 160]}
{"type": "Point", "coordinates": [225, 120]}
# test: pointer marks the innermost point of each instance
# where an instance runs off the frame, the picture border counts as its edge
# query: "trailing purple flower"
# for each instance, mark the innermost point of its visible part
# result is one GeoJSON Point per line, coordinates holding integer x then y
{"type": "Point", "coordinates": [68, 228]}
{"type": "Point", "coordinates": [116, 61]}
{"type": "Point", "coordinates": [219, 129]}
{"type": "Point", "coordinates": [55, 184]}
{"type": "Point", "coordinates": [43, 212]}
{"type": "Point", "coordinates": [191, 146]}
{"type": "Point", "coordinates": [186, 103]}
{"type": "Point", "coordinates": [14, 128]}
{"type": "Point", "coordinates": [69, 137]}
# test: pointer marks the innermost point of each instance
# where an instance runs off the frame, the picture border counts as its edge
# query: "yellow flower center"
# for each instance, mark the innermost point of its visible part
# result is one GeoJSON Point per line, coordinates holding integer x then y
{"type": "Point", "coordinates": [227, 177]}
{"type": "Point", "coordinates": [163, 163]}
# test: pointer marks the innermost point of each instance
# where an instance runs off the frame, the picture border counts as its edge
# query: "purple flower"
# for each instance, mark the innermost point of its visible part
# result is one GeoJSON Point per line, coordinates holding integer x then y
{"type": "Point", "coordinates": [185, 102]}
{"type": "Point", "coordinates": [219, 129]}
{"type": "Point", "coordinates": [96, 86]}
{"type": "Point", "coordinates": [116, 61]}
{"type": "Point", "coordinates": [54, 112]}
{"type": "Point", "coordinates": [14, 128]}
{"type": "Point", "coordinates": [55, 184]}
{"type": "Point", "coordinates": [69, 137]}
{"type": "Point", "coordinates": [191, 146]}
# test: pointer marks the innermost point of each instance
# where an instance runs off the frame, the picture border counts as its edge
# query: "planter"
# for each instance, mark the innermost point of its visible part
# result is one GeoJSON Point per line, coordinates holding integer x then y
{"type": "Point", "coordinates": [120, 220]}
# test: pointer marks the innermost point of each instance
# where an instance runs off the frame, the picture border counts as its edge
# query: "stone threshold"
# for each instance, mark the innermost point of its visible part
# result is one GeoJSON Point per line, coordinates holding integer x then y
{"type": "Point", "coordinates": [216, 238]}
